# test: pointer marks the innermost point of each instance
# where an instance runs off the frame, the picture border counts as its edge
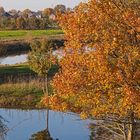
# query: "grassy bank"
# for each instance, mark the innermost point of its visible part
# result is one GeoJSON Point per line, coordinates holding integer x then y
{"type": "Point", "coordinates": [21, 95]}
{"type": "Point", "coordinates": [23, 69]}
{"type": "Point", "coordinates": [15, 69]}
{"type": "Point", "coordinates": [16, 73]}
{"type": "Point", "coordinates": [17, 34]}
{"type": "Point", "coordinates": [24, 92]}
{"type": "Point", "coordinates": [17, 94]}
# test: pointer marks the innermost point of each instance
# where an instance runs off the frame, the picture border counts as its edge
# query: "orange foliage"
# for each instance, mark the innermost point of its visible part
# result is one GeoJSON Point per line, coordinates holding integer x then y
{"type": "Point", "coordinates": [100, 72]}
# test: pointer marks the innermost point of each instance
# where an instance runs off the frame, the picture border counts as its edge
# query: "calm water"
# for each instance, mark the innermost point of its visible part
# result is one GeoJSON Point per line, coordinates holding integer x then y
{"type": "Point", "coordinates": [23, 124]}
{"type": "Point", "coordinates": [16, 59]}
{"type": "Point", "coordinates": [10, 60]}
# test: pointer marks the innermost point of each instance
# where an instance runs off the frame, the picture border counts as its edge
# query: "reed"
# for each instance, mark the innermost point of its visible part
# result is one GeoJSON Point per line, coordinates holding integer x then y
{"type": "Point", "coordinates": [21, 95]}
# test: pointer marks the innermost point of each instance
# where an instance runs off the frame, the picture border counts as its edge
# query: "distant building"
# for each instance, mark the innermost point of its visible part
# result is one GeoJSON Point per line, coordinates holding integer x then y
{"type": "Point", "coordinates": [6, 14]}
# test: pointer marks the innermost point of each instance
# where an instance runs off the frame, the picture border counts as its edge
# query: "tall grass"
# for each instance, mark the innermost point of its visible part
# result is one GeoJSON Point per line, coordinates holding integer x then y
{"type": "Point", "coordinates": [21, 89]}
{"type": "Point", "coordinates": [21, 95]}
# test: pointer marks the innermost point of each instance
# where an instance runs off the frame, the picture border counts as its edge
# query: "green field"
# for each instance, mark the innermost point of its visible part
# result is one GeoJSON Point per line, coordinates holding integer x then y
{"type": "Point", "coordinates": [26, 33]}
{"type": "Point", "coordinates": [23, 68]}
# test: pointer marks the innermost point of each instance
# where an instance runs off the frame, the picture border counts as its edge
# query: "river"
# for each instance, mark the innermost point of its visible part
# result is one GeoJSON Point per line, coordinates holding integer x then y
{"type": "Point", "coordinates": [22, 58]}
{"type": "Point", "coordinates": [11, 60]}
{"type": "Point", "coordinates": [22, 124]}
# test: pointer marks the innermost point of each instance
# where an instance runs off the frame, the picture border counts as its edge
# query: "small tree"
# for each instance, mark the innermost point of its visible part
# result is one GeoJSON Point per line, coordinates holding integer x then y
{"type": "Point", "coordinates": [40, 60]}
{"type": "Point", "coordinates": [47, 12]}
{"type": "Point", "coordinates": [59, 8]}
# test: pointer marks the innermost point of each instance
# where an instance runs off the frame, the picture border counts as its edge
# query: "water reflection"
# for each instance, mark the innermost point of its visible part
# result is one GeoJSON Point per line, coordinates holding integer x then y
{"type": "Point", "coordinates": [10, 60]}
{"type": "Point", "coordinates": [31, 125]}
{"type": "Point", "coordinates": [22, 58]}
{"type": "Point", "coordinates": [42, 135]}
{"type": "Point", "coordinates": [3, 128]}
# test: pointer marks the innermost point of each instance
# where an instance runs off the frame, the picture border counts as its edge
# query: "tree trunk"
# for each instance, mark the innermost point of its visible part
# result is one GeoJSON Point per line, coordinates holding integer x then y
{"type": "Point", "coordinates": [131, 131]}
{"type": "Point", "coordinates": [130, 134]}
{"type": "Point", "coordinates": [47, 93]}
{"type": "Point", "coordinates": [44, 84]}
{"type": "Point", "coordinates": [47, 119]}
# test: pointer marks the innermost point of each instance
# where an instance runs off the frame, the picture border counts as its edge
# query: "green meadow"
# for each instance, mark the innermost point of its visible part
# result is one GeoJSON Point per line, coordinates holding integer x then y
{"type": "Point", "coordinates": [25, 33]}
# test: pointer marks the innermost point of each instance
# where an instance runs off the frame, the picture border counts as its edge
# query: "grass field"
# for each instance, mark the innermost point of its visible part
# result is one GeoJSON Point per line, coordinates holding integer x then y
{"type": "Point", "coordinates": [21, 68]}
{"type": "Point", "coordinates": [26, 33]}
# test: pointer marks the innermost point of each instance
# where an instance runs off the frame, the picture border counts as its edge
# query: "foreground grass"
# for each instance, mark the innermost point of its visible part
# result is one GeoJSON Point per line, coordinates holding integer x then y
{"type": "Point", "coordinates": [26, 33]}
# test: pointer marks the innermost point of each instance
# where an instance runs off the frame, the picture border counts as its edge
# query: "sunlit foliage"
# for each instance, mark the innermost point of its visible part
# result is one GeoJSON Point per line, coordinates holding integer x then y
{"type": "Point", "coordinates": [100, 73]}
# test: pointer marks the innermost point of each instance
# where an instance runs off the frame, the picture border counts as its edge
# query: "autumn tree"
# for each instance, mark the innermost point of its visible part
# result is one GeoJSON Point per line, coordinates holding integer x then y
{"type": "Point", "coordinates": [45, 23]}
{"type": "Point", "coordinates": [13, 12]}
{"type": "Point", "coordinates": [33, 23]}
{"type": "Point", "coordinates": [47, 12]}
{"type": "Point", "coordinates": [100, 72]}
{"type": "Point", "coordinates": [12, 24]}
{"type": "Point", "coordinates": [28, 19]}
{"type": "Point", "coordinates": [60, 8]}
{"type": "Point", "coordinates": [26, 13]}
{"type": "Point", "coordinates": [2, 11]}
{"type": "Point", "coordinates": [20, 23]}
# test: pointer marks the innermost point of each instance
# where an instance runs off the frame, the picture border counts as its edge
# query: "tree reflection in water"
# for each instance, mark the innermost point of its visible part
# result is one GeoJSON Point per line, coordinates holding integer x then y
{"type": "Point", "coordinates": [3, 128]}
{"type": "Point", "coordinates": [44, 134]}
{"type": "Point", "coordinates": [41, 135]}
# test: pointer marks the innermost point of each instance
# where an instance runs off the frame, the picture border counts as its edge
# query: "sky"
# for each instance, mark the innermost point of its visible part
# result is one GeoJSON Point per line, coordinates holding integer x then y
{"type": "Point", "coordinates": [36, 4]}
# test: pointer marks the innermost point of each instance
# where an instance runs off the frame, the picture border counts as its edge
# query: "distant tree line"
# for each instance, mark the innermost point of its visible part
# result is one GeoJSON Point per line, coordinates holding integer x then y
{"type": "Point", "coordinates": [28, 19]}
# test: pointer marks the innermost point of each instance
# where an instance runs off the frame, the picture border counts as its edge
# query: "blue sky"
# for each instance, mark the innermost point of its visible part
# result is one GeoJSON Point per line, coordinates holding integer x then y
{"type": "Point", "coordinates": [36, 4]}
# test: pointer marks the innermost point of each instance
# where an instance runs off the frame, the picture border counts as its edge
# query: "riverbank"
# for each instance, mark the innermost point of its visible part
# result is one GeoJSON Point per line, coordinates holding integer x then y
{"type": "Point", "coordinates": [20, 87]}
{"type": "Point", "coordinates": [17, 88]}
{"type": "Point", "coordinates": [18, 41]}
{"type": "Point", "coordinates": [13, 47]}
{"type": "Point", "coordinates": [16, 73]}
{"type": "Point", "coordinates": [21, 73]}
{"type": "Point", "coordinates": [21, 95]}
